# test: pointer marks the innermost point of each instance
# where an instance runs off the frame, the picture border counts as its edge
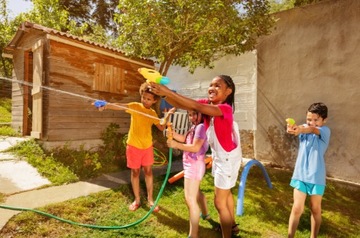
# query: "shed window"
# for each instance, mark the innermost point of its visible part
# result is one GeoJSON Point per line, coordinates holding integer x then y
{"type": "Point", "coordinates": [109, 78]}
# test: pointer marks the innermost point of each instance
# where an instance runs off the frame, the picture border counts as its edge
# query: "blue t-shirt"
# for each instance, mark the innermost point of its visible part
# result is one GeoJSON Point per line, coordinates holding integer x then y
{"type": "Point", "coordinates": [310, 162]}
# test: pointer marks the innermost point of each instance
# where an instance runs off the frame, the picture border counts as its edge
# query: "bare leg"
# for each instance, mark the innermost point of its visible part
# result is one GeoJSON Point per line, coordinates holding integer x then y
{"type": "Point", "coordinates": [315, 206]}
{"type": "Point", "coordinates": [231, 207]}
{"type": "Point", "coordinates": [149, 183]}
{"type": "Point", "coordinates": [296, 212]}
{"type": "Point", "coordinates": [191, 189]}
{"type": "Point", "coordinates": [222, 206]}
{"type": "Point", "coordinates": [201, 200]}
{"type": "Point", "coordinates": [135, 183]}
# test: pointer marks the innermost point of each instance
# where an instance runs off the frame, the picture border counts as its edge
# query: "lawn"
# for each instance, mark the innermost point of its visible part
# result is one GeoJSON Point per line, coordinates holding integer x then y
{"type": "Point", "coordinates": [266, 212]}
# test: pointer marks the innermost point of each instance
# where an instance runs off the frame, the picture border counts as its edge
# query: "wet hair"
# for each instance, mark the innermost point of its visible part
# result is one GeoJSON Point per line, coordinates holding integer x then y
{"type": "Point", "coordinates": [145, 88]}
{"type": "Point", "coordinates": [230, 83]}
{"type": "Point", "coordinates": [320, 109]}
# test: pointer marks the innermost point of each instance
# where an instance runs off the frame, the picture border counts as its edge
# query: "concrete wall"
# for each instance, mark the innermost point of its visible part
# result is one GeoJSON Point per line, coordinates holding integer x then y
{"type": "Point", "coordinates": [243, 71]}
{"type": "Point", "coordinates": [312, 56]}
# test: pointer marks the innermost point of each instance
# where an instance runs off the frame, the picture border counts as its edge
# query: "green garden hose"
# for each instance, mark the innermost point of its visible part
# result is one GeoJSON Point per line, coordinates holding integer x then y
{"type": "Point", "coordinates": [103, 227]}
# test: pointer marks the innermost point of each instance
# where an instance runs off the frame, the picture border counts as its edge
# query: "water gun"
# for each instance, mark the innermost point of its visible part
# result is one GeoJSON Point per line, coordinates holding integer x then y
{"type": "Point", "coordinates": [290, 121]}
{"type": "Point", "coordinates": [176, 177]}
{"type": "Point", "coordinates": [152, 75]}
{"type": "Point", "coordinates": [100, 103]}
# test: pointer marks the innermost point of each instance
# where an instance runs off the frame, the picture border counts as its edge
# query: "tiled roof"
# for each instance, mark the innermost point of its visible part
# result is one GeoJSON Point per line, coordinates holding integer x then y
{"type": "Point", "coordinates": [26, 25]}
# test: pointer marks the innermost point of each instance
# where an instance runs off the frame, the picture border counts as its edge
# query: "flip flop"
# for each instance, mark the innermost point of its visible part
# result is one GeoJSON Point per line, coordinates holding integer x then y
{"type": "Point", "coordinates": [134, 206]}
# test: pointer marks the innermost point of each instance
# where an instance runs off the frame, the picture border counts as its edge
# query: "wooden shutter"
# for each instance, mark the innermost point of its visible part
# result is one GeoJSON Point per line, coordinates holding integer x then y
{"type": "Point", "coordinates": [109, 78]}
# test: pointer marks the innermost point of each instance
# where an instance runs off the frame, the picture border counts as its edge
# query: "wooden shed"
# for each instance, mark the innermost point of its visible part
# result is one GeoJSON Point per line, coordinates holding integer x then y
{"type": "Point", "coordinates": [57, 76]}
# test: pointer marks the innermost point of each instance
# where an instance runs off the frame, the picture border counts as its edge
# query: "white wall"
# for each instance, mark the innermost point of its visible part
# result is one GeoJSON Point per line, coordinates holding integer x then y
{"type": "Point", "coordinates": [243, 71]}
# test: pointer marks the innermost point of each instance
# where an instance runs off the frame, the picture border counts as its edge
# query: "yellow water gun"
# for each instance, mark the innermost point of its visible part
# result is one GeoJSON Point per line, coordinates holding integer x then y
{"type": "Point", "coordinates": [290, 121]}
{"type": "Point", "coordinates": [152, 75]}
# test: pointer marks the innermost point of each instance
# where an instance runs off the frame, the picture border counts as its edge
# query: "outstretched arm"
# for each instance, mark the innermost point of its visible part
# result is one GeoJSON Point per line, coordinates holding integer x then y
{"type": "Point", "coordinates": [296, 130]}
{"type": "Point", "coordinates": [102, 105]}
{"type": "Point", "coordinates": [183, 102]}
{"type": "Point", "coordinates": [116, 106]}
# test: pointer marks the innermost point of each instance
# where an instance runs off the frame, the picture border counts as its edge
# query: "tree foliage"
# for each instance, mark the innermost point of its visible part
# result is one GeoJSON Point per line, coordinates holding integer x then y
{"type": "Point", "coordinates": [8, 28]}
{"type": "Point", "coordinates": [190, 33]}
{"type": "Point", "coordinates": [48, 13]}
{"type": "Point", "coordinates": [281, 5]}
{"type": "Point", "coordinates": [95, 13]}
{"type": "Point", "coordinates": [299, 3]}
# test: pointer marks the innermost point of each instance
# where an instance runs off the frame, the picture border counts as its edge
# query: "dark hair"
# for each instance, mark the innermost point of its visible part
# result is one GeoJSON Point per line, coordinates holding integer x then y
{"type": "Point", "coordinates": [199, 115]}
{"type": "Point", "coordinates": [320, 109]}
{"type": "Point", "coordinates": [145, 88]}
{"type": "Point", "coordinates": [199, 120]}
{"type": "Point", "coordinates": [230, 83]}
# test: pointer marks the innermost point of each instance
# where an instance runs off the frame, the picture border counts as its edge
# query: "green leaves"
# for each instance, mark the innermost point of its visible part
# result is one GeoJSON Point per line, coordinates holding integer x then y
{"type": "Point", "coordinates": [190, 32]}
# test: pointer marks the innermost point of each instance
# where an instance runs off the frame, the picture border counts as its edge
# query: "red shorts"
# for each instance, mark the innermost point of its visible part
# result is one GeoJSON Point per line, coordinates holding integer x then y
{"type": "Point", "coordinates": [136, 157]}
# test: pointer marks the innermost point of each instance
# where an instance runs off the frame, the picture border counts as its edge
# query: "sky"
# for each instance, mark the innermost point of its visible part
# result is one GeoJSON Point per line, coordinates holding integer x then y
{"type": "Point", "coordinates": [17, 6]}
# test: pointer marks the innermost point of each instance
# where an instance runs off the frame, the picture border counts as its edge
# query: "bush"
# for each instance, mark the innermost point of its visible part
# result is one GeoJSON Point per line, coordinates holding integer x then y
{"type": "Point", "coordinates": [46, 165]}
{"type": "Point", "coordinates": [8, 131]}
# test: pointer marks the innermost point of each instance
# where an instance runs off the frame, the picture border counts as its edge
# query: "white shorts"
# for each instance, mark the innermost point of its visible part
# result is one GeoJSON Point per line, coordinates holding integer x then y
{"type": "Point", "coordinates": [225, 172]}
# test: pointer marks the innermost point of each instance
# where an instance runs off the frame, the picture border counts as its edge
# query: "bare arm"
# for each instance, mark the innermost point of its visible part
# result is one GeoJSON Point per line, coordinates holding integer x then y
{"type": "Point", "coordinates": [178, 137]}
{"type": "Point", "coordinates": [194, 147]}
{"type": "Point", "coordinates": [114, 106]}
{"type": "Point", "coordinates": [296, 130]}
{"type": "Point", "coordinates": [180, 101]}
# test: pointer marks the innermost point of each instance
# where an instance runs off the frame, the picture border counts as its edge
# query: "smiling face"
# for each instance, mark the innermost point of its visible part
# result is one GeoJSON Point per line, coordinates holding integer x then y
{"type": "Point", "coordinates": [218, 91]}
{"type": "Point", "coordinates": [194, 117]}
{"type": "Point", "coordinates": [148, 99]}
{"type": "Point", "coordinates": [313, 119]}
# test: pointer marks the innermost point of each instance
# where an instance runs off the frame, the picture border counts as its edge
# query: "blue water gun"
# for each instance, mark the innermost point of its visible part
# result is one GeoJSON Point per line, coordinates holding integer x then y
{"type": "Point", "coordinates": [100, 103]}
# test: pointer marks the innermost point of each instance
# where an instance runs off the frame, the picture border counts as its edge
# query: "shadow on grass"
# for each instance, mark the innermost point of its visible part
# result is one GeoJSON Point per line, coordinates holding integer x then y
{"type": "Point", "coordinates": [273, 206]}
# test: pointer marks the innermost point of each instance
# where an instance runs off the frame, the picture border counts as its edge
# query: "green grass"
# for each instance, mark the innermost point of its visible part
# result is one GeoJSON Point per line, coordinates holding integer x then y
{"type": "Point", "coordinates": [5, 117]}
{"type": "Point", "coordinates": [266, 212]}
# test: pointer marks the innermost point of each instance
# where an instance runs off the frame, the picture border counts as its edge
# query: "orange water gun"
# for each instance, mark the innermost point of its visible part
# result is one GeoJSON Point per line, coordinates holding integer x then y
{"type": "Point", "coordinates": [176, 177]}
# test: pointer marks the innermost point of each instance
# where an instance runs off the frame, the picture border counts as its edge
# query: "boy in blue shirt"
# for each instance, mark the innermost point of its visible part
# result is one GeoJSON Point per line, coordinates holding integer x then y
{"type": "Point", "coordinates": [309, 177]}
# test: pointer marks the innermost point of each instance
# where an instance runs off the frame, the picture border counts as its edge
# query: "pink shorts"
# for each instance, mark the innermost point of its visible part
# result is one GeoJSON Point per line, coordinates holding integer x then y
{"type": "Point", "coordinates": [194, 169]}
{"type": "Point", "coordinates": [136, 157]}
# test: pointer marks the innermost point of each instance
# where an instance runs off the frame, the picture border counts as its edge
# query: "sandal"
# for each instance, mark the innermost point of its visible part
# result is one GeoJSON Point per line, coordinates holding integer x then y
{"type": "Point", "coordinates": [134, 206]}
{"type": "Point", "coordinates": [156, 209]}
{"type": "Point", "coordinates": [234, 229]}
{"type": "Point", "coordinates": [205, 217]}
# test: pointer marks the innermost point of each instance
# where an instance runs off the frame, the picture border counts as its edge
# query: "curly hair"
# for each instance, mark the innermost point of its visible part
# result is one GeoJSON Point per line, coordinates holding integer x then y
{"type": "Point", "coordinates": [145, 88]}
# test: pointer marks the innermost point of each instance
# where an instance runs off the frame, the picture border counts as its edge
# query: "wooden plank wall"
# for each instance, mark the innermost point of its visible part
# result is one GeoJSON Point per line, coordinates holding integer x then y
{"type": "Point", "coordinates": [70, 115]}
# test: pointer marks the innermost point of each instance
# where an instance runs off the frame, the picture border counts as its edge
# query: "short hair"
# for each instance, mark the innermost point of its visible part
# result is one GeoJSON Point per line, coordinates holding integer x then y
{"type": "Point", "coordinates": [320, 109]}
